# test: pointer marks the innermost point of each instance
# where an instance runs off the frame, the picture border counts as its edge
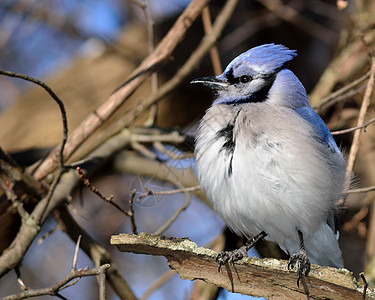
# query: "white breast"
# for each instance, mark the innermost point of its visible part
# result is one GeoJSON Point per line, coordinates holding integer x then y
{"type": "Point", "coordinates": [278, 177]}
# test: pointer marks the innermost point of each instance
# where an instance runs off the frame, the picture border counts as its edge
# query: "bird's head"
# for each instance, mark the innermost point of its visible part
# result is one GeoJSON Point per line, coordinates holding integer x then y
{"type": "Point", "coordinates": [250, 76]}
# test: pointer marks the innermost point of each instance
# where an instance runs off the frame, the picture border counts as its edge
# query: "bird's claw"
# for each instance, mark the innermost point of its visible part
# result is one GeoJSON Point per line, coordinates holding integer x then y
{"type": "Point", "coordinates": [303, 262]}
{"type": "Point", "coordinates": [230, 256]}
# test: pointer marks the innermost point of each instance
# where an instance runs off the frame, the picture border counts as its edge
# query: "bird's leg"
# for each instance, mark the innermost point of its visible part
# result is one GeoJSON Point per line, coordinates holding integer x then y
{"type": "Point", "coordinates": [301, 258]}
{"type": "Point", "coordinates": [230, 256]}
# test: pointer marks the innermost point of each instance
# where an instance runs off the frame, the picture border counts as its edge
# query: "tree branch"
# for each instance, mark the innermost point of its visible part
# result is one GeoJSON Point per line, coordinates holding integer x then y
{"type": "Point", "coordinates": [361, 118]}
{"type": "Point", "coordinates": [61, 284]}
{"type": "Point", "coordinates": [267, 278]}
{"type": "Point", "coordinates": [158, 57]}
{"type": "Point", "coordinates": [96, 253]}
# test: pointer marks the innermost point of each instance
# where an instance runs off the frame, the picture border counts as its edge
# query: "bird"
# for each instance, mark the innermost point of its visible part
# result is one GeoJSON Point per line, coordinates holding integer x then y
{"type": "Point", "coordinates": [268, 163]}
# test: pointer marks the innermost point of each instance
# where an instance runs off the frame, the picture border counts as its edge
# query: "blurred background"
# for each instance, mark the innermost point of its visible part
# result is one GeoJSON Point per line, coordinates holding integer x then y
{"type": "Point", "coordinates": [85, 50]}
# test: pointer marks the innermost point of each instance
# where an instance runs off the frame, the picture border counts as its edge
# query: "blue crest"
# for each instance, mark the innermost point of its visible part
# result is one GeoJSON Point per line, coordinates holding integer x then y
{"type": "Point", "coordinates": [263, 59]}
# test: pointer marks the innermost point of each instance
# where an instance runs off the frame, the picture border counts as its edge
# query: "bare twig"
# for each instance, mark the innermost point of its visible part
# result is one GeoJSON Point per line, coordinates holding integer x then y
{"type": "Point", "coordinates": [109, 199]}
{"type": "Point", "coordinates": [95, 190]}
{"type": "Point", "coordinates": [332, 98]}
{"type": "Point", "coordinates": [61, 284]}
{"type": "Point", "coordinates": [362, 113]}
{"type": "Point", "coordinates": [170, 192]}
{"type": "Point", "coordinates": [362, 190]}
{"type": "Point", "coordinates": [214, 52]}
{"type": "Point", "coordinates": [364, 127]}
{"type": "Point", "coordinates": [76, 253]}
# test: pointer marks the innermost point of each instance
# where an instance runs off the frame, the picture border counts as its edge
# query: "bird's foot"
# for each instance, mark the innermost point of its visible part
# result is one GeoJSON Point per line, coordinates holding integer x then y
{"type": "Point", "coordinates": [303, 262]}
{"type": "Point", "coordinates": [230, 256]}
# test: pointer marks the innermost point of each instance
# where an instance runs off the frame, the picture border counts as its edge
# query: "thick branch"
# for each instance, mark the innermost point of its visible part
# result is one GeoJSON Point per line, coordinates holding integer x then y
{"type": "Point", "coordinates": [267, 278]}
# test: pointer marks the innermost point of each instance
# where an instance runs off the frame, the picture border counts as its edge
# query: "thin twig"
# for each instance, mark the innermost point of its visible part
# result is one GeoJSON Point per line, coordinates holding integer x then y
{"type": "Point", "coordinates": [214, 52]}
{"type": "Point", "coordinates": [61, 284]}
{"type": "Point", "coordinates": [362, 113]}
{"type": "Point", "coordinates": [361, 190]}
{"type": "Point", "coordinates": [76, 253]}
{"type": "Point", "coordinates": [331, 98]}
{"type": "Point", "coordinates": [364, 127]}
{"type": "Point", "coordinates": [108, 199]}
{"type": "Point", "coordinates": [170, 192]}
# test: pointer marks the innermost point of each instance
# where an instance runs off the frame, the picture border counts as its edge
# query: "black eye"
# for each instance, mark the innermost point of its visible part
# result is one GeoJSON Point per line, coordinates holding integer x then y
{"type": "Point", "coordinates": [244, 78]}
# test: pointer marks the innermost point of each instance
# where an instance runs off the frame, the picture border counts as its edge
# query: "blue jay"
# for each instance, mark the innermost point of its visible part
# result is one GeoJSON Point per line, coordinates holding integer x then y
{"type": "Point", "coordinates": [267, 161]}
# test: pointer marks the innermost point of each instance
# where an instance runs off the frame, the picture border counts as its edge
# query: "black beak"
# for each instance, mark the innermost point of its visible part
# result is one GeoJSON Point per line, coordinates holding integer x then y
{"type": "Point", "coordinates": [211, 82]}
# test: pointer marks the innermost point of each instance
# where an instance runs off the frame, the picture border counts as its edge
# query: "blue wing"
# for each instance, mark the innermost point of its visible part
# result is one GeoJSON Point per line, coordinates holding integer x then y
{"type": "Point", "coordinates": [321, 129]}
